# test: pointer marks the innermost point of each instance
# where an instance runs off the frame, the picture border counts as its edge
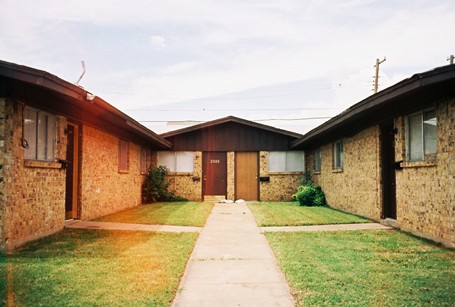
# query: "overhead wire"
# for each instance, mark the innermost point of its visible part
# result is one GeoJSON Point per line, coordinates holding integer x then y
{"type": "Point", "coordinates": [254, 120]}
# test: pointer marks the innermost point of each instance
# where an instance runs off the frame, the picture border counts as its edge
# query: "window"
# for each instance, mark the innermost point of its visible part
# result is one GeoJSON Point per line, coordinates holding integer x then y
{"type": "Point", "coordinates": [286, 161]}
{"type": "Point", "coordinates": [143, 166]}
{"type": "Point", "coordinates": [177, 161]}
{"type": "Point", "coordinates": [122, 155]}
{"type": "Point", "coordinates": [317, 159]}
{"type": "Point", "coordinates": [39, 134]}
{"type": "Point", "coordinates": [421, 135]}
{"type": "Point", "coordinates": [338, 154]}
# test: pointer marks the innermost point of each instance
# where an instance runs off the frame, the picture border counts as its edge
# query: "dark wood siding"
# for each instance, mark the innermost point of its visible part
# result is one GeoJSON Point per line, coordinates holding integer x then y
{"type": "Point", "coordinates": [230, 137]}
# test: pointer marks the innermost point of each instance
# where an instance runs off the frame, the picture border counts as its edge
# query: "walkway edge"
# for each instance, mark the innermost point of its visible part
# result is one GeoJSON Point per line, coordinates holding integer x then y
{"type": "Point", "coordinates": [77, 224]}
{"type": "Point", "coordinates": [332, 227]}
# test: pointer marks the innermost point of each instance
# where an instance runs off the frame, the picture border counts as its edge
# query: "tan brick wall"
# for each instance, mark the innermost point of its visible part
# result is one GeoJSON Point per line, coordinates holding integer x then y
{"type": "Point", "coordinates": [281, 185]}
{"type": "Point", "coordinates": [356, 188]}
{"type": "Point", "coordinates": [188, 185]}
{"type": "Point", "coordinates": [33, 192]}
{"type": "Point", "coordinates": [426, 191]}
{"type": "Point", "coordinates": [231, 175]}
{"type": "Point", "coordinates": [104, 189]}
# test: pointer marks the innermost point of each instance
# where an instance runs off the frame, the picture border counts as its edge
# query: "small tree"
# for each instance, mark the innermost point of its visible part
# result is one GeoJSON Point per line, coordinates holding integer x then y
{"type": "Point", "coordinates": [156, 186]}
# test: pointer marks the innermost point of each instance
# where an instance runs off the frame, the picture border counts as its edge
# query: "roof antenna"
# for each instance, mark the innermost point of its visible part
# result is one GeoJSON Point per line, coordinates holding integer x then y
{"type": "Point", "coordinates": [83, 73]}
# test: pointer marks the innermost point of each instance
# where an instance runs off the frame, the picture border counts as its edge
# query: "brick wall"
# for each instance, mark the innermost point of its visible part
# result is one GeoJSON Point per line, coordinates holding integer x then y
{"type": "Point", "coordinates": [104, 189]}
{"type": "Point", "coordinates": [188, 185]}
{"type": "Point", "coordinates": [33, 192]}
{"type": "Point", "coordinates": [355, 188]}
{"type": "Point", "coordinates": [231, 175]}
{"type": "Point", "coordinates": [281, 185]}
{"type": "Point", "coordinates": [426, 190]}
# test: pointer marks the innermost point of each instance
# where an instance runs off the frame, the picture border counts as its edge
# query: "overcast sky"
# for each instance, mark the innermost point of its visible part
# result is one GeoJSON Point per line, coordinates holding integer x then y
{"type": "Point", "coordinates": [182, 60]}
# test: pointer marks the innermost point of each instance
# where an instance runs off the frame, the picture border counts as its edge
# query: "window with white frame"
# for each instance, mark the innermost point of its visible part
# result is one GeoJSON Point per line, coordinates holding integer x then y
{"type": "Point", "coordinates": [177, 161]}
{"type": "Point", "coordinates": [39, 135]}
{"type": "Point", "coordinates": [317, 159]}
{"type": "Point", "coordinates": [338, 154]}
{"type": "Point", "coordinates": [421, 135]}
{"type": "Point", "coordinates": [286, 161]}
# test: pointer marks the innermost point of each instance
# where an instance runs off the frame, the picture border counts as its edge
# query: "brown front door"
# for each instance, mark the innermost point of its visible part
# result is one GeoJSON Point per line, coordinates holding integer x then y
{"type": "Point", "coordinates": [214, 169]}
{"type": "Point", "coordinates": [246, 176]}
{"type": "Point", "coordinates": [72, 171]}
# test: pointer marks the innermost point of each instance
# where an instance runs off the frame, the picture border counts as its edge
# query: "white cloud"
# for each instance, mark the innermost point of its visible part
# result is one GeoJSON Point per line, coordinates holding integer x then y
{"type": "Point", "coordinates": [158, 41]}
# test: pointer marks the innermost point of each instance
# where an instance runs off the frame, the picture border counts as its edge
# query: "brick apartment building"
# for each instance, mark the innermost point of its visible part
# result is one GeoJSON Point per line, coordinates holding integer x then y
{"type": "Point", "coordinates": [67, 154]}
{"type": "Point", "coordinates": [232, 158]}
{"type": "Point", "coordinates": [391, 157]}
{"type": "Point", "coordinates": [64, 153]}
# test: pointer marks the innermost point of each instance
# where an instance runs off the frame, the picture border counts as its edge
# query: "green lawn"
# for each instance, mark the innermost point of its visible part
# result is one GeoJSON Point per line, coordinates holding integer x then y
{"type": "Point", "coordinates": [96, 268]}
{"type": "Point", "coordinates": [164, 213]}
{"type": "Point", "coordinates": [291, 214]}
{"type": "Point", "coordinates": [365, 268]}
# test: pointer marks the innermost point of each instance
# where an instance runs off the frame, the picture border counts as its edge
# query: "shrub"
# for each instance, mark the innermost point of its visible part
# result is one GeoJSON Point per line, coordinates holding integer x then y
{"type": "Point", "coordinates": [156, 186]}
{"type": "Point", "coordinates": [307, 179]}
{"type": "Point", "coordinates": [308, 194]}
{"type": "Point", "coordinates": [305, 195]}
{"type": "Point", "coordinates": [319, 197]}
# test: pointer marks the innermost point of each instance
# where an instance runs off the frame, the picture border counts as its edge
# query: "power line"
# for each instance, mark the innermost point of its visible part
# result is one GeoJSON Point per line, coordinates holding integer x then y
{"type": "Point", "coordinates": [254, 120]}
{"type": "Point", "coordinates": [216, 97]}
{"type": "Point", "coordinates": [225, 110]}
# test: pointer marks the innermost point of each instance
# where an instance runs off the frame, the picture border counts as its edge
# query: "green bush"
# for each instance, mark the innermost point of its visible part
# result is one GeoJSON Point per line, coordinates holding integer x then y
{"type": "Point", "coordinates": [307, 179]}
{"type": "Point", "coordinates": [305, 195]}
{"type": "Point", "coordinates": [319, 198]}
{"type": "Point", "coordinates": [156, 186]}
{"type": "Point", "coordinates": [308, 194]}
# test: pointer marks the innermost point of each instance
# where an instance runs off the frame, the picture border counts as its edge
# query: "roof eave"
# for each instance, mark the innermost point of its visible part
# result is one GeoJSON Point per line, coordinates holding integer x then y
{"type": "Point", "coordinates": [229, 119]}
{"type": "Point", "coordinates": [53, 83]}
{"type": "Point", "coordinates": [411, 84]}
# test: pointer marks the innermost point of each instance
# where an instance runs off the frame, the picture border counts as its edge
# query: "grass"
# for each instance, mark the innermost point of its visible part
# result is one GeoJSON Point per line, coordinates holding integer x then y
{"type": "Point", "coordinates": [365, 268]}
{"type": "Point", "coordinates": [164, 213]}
{"type": "Point", "coordinates": [96, 268]}
{"type": "Point", "coordinates": [291, 214]}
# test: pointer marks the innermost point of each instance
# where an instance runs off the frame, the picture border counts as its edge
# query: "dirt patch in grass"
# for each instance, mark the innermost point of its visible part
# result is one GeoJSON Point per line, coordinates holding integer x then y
{"type": "Point", "coordinates": [97, 268]}
{"type": "Point", "coordinates": [164, 213]}
{"type": "Point", "coordinates": [365, 268]}
{"type": "Point", "coordinates": [291, 214]}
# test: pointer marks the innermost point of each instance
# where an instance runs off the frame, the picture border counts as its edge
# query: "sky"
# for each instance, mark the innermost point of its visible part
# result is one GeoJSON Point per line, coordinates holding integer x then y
{"type": "Point", "coordinates": [291, 64]}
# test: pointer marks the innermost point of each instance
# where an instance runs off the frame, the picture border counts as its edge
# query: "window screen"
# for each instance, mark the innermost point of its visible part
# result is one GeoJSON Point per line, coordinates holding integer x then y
{"type": "Point", "coordinates": [177, 161]}
{"type": "Point", "coordinates": [39, 134]}
{"type": "Point", "coordinates": [421, 135]}
{"type": "Point", "coordinates": [317, 159]}
{"type": "Point", "coordinates": [338, 154]}
{"type": "Point", "coordinates": [286, 161]}
{"type": "Point", "coordinates": [277, 161]}
{"type": "Point", "coordinates": [184, 161]}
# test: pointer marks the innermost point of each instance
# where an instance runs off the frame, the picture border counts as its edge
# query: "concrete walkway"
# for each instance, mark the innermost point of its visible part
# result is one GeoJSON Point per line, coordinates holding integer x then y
{"type": "Point", "coordinates": [232, 264]}
{"type": "Point", "coordinates": [334, 227]}
{"type": "Point", "coordinates": [127, 226]}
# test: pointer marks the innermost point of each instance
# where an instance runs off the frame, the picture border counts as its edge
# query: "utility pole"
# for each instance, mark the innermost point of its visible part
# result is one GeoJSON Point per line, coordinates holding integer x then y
{"type": "Point", "coordinates": [376, 77]}
{"type": "Point", "coordinates": [450, 59]}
